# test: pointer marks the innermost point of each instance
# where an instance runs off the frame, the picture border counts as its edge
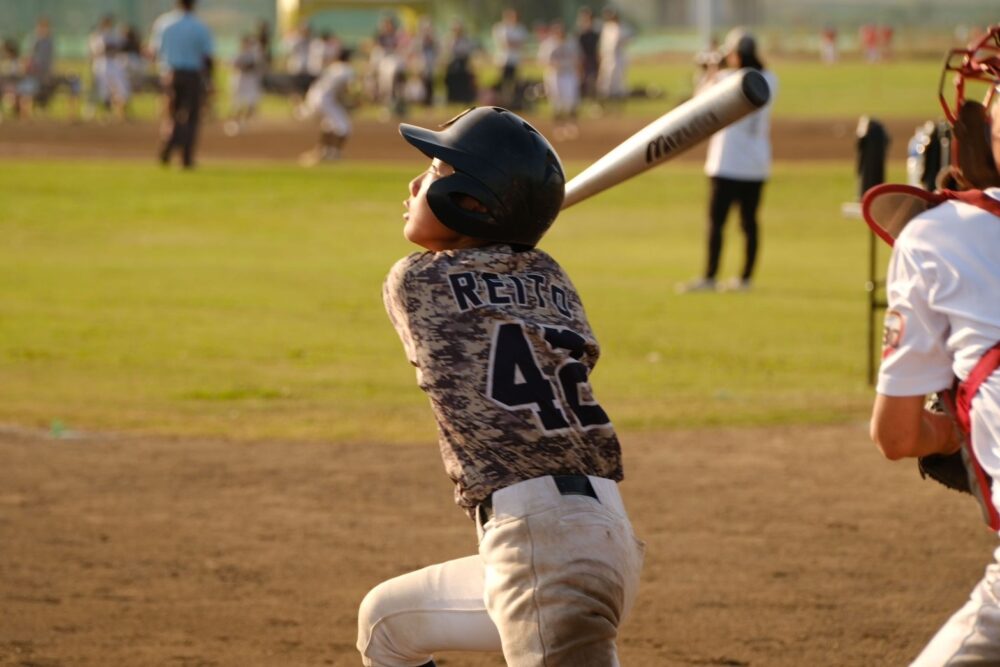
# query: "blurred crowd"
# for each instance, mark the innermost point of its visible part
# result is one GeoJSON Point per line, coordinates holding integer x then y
{"type": "Point", "coordinates": [399, 67]}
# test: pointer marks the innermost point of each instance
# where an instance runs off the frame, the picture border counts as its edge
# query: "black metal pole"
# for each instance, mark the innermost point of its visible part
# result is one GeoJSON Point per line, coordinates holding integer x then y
{"type": "Point", "coordinates": [872, 306]}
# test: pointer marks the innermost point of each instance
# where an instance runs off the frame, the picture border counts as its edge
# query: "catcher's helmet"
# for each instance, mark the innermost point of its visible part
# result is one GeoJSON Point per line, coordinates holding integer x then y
{"type": "Point", "coordinates": [976, 125]}
{"type": "Point", "coordinates": [500, 161]}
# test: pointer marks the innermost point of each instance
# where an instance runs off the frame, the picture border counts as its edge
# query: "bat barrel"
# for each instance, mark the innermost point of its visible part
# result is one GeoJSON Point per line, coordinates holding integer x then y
{"type": "Point", "coordinates": [754, 87]}
{"type": "Point", "coordinates": [671, 134]}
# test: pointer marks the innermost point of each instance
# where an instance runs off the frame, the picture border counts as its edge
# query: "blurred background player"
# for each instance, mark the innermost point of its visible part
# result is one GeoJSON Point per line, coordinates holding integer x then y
{"type": "Point", "coordinates": [493, 325]}
{"type": "Point", "coordinates": [329, 98]}
{"type": "Point", "coordinates": [738, 165]}
{"type": "Point", "coordinates": [247, 78]}
{"type": "Point", "coordinates": [262, 34]}
{"type": "Point", "coordinates": [828, 45]}
{"type": "Point", "coordinates": [587, 38]}
{"type": "Point", "coordinates": [11, 71]}
{"type": "Point", "coordinates": [559, 57]}
{"type": "Point", "coordinates": [387, 68]}
{"type": "Point", "coordinates": [426, 52]}
{"type": "Point", "coordinates": [110, 87]}
{"type": "Point", "coordinates": [509, 37]}
{"type": "Point", "coordinates": [612, 74]}
{"type": "Point", "coordinates": [459, 79]}
{"type": "Point", "coordinates": [118, 72]}
{"type": "Point", "coordinates": [186, 61]}
{"type": "Point", "coordinates": [942, 334]}
{"type": "Point", "coordinates": [38, 64]}
{"type": "Point", "coordinates": [296, 47]}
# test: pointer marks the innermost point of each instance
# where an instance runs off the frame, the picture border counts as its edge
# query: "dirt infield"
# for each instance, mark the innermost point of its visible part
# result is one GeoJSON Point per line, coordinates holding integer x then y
{"type": "Point", "coordinates": [372, 140]}
{"type": "Point", "coordinates": [787, 546]}
{"type": "Point", "coordinates": [781, 546]}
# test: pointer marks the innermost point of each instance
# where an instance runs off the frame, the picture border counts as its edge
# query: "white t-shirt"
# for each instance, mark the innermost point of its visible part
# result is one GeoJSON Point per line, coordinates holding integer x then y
{"type": "Point", "coordinates": [331, 86]}
{"type": "Point", "coordinates": [943, 290]}
{"type": "Point", "coordinates": [742, 151]}
{"type": "Point", "coordinates": [508, 40]}
{"type": "Point", "coordinates": [611, 42]}
{"type": "Point", "coordinates": [559, 56]}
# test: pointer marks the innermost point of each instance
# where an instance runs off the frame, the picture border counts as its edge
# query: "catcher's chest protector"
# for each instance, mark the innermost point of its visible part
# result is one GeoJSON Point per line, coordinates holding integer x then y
{"type": "Point", "coordinates": [961, 398]}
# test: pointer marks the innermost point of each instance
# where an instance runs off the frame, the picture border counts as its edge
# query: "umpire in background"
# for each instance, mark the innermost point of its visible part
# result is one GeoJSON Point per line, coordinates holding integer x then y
{"type": "Point", "coordinates": [184, 48]}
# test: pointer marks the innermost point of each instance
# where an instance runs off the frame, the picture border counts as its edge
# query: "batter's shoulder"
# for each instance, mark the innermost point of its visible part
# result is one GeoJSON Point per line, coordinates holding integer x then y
{"type": "Point", "coordinates": [419, 266]}
{"type": "Point", "coordinates": [543, 262]}
{"type": "Point", "coordinates": [420, 275]}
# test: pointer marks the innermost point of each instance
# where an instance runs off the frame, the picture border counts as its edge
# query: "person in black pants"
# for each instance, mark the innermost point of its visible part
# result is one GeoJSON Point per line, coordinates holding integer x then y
{"type": "Point", "coordinates": [588, 39]}
{"type": "Point", "coordinates": [724, 192]}
{"type": "Point", "coordinates": [184, 47]}
{"type": "Point", "coordinates": [185, 97]}
{"type": "Point", "coordinates": [738, 165]}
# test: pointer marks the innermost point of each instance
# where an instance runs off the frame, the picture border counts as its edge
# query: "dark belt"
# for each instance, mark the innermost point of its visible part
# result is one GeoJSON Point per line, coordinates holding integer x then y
{"type": "Point", "coordinates": [568, 485]}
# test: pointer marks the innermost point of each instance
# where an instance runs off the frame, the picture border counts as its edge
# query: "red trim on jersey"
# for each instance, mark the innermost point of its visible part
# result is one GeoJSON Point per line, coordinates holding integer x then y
{"type": "Point", "coordinates": [960, 402]}
{"type": "Point", "coordinates": [967, 390]}
{"type": "Point", "coordinates": [976, 198]}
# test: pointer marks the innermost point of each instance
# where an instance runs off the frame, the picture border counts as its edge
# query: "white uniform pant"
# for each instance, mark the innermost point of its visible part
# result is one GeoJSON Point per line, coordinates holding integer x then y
{"type": "Point", "coordinates": [972, 635]}
{"type": "Point", "coordinates": [246, 90]}
{"type": "Point", "coordinates": [334, 118]}
{"type": "Point", "coordinates": [563, 91]}
{"type": "Point", "coordinates": [554, 578]}
{"type": "Point", "coordinates": [116, 79]}
{"type": "Point", "coordinates": [611, 78]}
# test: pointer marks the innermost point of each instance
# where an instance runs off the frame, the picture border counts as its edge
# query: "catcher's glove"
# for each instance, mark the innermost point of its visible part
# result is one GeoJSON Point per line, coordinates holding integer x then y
{"type": "Point", "coordinates": [946, 469]}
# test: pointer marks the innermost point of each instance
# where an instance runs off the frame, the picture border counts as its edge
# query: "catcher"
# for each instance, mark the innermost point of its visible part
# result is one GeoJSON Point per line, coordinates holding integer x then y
{"type": "Point", "coordinates": [503, 349]}
{"type": "Point", "coordinates": [942, 331]}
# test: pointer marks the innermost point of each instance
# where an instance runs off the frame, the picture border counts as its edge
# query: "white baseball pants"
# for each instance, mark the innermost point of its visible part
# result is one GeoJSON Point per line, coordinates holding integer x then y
{"type": "Point", "coordinates": [972, 635]}
{"type": "Point", "coordinates": [553, 580]}
{"type": "Point", "coordinates": [334, 118]}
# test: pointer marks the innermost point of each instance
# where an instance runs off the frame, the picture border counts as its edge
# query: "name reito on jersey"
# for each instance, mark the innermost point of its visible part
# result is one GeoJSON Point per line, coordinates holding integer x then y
{"type": "Point", "coordinates": [473, 289]}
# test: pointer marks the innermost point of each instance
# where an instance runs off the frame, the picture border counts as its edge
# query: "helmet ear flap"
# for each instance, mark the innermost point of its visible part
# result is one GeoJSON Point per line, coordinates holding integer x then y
{"type": "Point", "coordinates": [444, 195]}
{"type": "Point", "coordinates": [974, 148]}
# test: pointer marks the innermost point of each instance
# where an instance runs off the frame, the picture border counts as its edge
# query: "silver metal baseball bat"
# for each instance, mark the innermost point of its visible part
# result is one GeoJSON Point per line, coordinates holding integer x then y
{"type": "Point", "coordinates": [673, 133]}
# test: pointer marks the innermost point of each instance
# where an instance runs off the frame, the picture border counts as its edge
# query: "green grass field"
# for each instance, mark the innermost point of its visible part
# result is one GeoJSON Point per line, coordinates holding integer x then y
{"type": "Point", "coordinates": [897, 89]}
{"type": "Point", "coordinates": [244, 301]}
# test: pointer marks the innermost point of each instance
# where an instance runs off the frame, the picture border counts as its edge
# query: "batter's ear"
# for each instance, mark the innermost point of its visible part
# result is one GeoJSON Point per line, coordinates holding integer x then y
{"type": "Point", "coordinates": [469, 203]}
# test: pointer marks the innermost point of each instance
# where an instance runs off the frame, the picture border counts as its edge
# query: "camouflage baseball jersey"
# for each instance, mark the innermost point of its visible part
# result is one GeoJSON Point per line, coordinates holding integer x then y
{"type": "Point", "coordinates": [503, 350]}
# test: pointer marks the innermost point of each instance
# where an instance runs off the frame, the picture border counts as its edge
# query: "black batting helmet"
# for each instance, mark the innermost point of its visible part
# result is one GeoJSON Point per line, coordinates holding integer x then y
{"type": "Point", "coordinates": [502, 162]}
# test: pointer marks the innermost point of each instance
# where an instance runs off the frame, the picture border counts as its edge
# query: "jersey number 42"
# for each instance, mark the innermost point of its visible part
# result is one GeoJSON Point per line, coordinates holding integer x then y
{"type": "Point", "coordinates": [516, 381]}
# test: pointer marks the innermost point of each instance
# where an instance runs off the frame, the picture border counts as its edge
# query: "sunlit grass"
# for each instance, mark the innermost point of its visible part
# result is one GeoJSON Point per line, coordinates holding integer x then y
{"type": "Point", "coordinates": [244, 301]}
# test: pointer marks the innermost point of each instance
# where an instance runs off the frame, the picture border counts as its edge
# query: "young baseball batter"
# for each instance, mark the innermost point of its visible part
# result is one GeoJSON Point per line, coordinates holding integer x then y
{"type": "Point", "coordinates": [502, 347]}
{"type": "Point", "coordinates": [942, 329]}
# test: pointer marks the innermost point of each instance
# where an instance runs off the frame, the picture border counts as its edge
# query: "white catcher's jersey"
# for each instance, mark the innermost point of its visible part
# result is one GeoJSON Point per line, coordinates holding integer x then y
{"type": "Point", "coordinates": [503, 349]}
{"type": "Point", "coordinates": [943, 289]}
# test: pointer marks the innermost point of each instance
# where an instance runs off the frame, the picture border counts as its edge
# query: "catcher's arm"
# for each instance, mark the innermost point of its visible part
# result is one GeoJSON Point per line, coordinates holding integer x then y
{"type": "Point", "coordinates": [906, 426]}
{"type": "Point", "coordinates": [901, 428]}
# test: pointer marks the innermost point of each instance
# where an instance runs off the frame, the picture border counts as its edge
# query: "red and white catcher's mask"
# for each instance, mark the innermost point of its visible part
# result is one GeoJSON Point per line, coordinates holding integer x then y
{"type": "Point", "coordinates": [975, 145]}
{"type": "Point", "coordinates": [975, 124]}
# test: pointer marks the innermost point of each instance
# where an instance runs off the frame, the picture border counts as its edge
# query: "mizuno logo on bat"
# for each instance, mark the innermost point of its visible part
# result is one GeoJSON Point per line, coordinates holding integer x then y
{"type": "Point", "coordinates": [665, 144]}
